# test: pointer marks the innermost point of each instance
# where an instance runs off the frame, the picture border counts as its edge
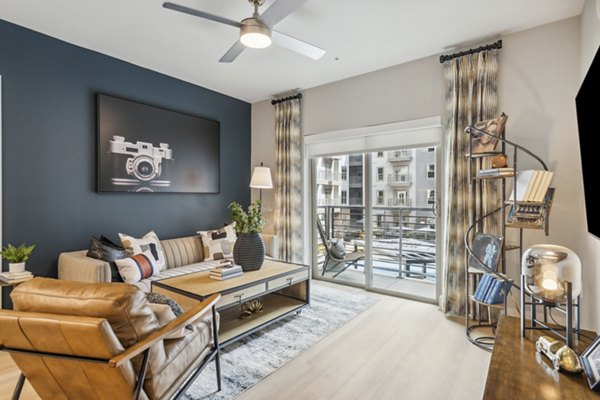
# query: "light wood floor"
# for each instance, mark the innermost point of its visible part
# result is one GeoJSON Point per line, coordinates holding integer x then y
{"type": "Point", "coordinates": [397, 349]}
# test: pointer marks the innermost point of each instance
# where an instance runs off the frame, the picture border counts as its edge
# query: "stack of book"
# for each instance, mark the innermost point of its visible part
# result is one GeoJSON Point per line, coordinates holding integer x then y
{"type": "Point", "coordinates": [504, 171]}
{"type": "Point", "coordinates": [491, 289]}
{"type": "Point", "coordinates": [532, 185]}
{"type": "Point", "coordinates": [15, 277]}
{"type": "Point", "coordinates": [226, 271]}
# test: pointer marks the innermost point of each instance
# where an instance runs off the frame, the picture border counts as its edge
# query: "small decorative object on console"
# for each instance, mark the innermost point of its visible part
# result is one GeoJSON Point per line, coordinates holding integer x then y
{"type": "Point", "coordinates": [17, 256]}
{"type": "Point", "coordinates": [561, 355]}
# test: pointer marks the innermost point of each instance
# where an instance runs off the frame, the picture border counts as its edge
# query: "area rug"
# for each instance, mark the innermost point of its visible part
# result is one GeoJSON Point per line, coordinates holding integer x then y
{"type": "Point", "coordinates": [251, 359]}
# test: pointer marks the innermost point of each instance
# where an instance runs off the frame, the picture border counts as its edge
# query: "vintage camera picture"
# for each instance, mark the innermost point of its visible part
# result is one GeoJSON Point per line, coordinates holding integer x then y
{"type": "Point", "coordinates": [142, 163]}
{"type": "Point", "coordinates": [144, 148]}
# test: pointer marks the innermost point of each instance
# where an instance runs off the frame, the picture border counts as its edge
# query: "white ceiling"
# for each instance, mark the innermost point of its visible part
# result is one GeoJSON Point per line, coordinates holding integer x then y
{"type": "Point", "coordinates": [359, 36]}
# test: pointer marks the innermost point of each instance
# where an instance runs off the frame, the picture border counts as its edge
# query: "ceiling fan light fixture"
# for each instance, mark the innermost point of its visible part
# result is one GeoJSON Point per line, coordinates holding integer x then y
{"type": "Point", "coordinates": [255, 34]}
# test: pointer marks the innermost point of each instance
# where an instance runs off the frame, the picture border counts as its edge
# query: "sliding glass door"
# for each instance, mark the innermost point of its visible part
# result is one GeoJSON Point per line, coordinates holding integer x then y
{"type": "Point", "coordinates": [376, 221]}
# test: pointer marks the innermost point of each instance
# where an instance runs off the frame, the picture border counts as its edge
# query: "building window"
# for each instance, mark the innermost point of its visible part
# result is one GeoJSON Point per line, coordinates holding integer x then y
{"type": "Point", "coordinates": [379, 221]}
{"type": "Point", "coordinates": [401, 198]}
{"type": "Point", "coordinates": [431, 197]}
{"type": "Point", "coordinates": [344, 197]}
{"type": "Point", "coordinates": [431, 171]}
{"type": "Point", "coordinates": [380, 197]}
{"type": "Point", "coordinates": [431, 149]}
{"type": "Point", "coordinates": [379, 174]}
{"type": "Point", "coordinates": [380, 154]}
{"type": "Point", "coordinates": [344, 173]}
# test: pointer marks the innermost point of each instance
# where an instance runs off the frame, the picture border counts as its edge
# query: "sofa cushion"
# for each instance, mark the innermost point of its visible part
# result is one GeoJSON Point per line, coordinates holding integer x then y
{"type": "Point", "coordinates": [146, 284]}
{"type": "Point", "coordinates": [218, 243]}
{"type": "Point", "coordinates": [140, 266]}
{"type": "Point", "coordinates": [106, 250]}
{"type": "Point", "coordinates": [182, 251]}
{"type": "Point", "coordinates": [124, 306]}
{"type": "Point", "coordinates": [149, 241]}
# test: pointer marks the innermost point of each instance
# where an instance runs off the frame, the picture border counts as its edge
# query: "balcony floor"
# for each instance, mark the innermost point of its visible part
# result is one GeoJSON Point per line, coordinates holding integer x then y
{"type": "Point", "coordinates": [408, 286]}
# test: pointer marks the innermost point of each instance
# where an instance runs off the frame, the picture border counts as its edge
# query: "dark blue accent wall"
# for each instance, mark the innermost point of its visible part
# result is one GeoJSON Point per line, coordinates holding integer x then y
{"type": "Point", "coordinates": [49, 149]}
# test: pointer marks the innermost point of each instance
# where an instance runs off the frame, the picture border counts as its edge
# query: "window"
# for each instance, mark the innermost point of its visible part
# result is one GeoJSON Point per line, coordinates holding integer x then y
{"type": "Point", "coordinates": [344, 173]}
{"type": "Point", "coordinates": [379, 174]}
{"type": "Point", "coordinates": [431, 196]}
{"type": "Point", "coordinates": [431, 149]}
{"type": "Point", "coordinates": [380, 197]}
{"type": "Point", "coordinates": [431, 171]}
{"type": "Point", "coordinates": [379, 221]}
{"type": "Point", "coordinates": [401, 198]}
{"type": "Point", "coordinates": [380, 154]}
{"type": "Point", "coordinates": [344, 197]}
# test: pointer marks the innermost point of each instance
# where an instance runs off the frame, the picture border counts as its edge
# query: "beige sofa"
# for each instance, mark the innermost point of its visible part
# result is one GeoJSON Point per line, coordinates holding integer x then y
{"type": "Point", "coordinates": [183, 256]}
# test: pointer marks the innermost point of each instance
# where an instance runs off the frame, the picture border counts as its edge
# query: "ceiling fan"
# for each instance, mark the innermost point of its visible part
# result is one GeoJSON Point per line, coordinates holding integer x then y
{"type": "Point", "coordinates": [257, 31]}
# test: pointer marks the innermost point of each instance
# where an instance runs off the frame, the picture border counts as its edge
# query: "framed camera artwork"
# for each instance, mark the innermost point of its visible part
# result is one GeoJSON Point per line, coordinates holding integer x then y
{"type": "Point", "coordinates": [590, 360]}
{"type": "Point", "coordinates": [143, 148]}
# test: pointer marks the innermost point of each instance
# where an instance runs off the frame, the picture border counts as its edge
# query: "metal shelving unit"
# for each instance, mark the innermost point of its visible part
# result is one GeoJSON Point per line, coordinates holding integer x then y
{"type": "Point", "coordinates": [479, 216]}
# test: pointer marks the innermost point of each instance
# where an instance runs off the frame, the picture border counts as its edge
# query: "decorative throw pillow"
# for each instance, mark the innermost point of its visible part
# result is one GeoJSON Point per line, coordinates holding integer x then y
{"type": "Point", "coordinates": [164, 314]}
{"type": "Point", "coordinates": [158, 298]}
{"type": "Point", "coordinates": [218, 244]}
{"type": "Point", "coordinates": [337, 250]}
{"type": "Point", "coordinates": [106, 250]}
{"type": "Point", "coordinates": [135, 268]}
{"type": "Point", "coordinates": [149, 241]}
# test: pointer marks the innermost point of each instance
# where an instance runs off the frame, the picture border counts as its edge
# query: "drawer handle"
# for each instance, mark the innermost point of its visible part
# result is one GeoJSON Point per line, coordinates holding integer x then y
{"type": "Point", "coordinates": [289, 280]}
{"type": "Point", "coordinates": [239, 297]}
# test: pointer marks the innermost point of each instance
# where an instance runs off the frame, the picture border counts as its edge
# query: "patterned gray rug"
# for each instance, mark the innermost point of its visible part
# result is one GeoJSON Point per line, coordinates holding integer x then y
{"type": "Point", "coordinates": [246, 362]}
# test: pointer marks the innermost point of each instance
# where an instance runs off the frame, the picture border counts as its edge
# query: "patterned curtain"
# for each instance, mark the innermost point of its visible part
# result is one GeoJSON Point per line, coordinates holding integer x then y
{"type": "Point", "coordinates": [288, 192]}
{"type": "Point", "coordinates": [471, 96]}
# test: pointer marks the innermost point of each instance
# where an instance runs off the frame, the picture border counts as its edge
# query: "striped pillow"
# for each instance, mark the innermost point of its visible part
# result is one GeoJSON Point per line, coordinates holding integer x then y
{"type": "Point", "coordinates": [135, 268]}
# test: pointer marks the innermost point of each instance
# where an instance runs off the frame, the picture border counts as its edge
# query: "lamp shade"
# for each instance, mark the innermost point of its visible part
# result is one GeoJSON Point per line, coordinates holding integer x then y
{"type": "Point", "coordinates": [261, 178]}
{"type": "Point", "coordinates": [547, 269]}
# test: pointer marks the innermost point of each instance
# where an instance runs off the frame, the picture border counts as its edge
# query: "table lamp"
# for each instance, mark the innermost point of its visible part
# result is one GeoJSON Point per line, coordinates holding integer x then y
{"type": "Point", "coordinates": [551, 275]}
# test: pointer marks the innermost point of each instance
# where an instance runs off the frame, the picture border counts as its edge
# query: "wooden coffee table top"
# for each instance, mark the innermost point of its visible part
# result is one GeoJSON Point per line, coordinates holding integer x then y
{"type": "Point", "coordinates": [517, 373]}
{"type": "Point", "coordinates": [198, 283]}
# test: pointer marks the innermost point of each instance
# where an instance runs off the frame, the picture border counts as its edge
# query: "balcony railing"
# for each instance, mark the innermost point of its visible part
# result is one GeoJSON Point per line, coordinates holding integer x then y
{"type": "Point", "coordinates": [355, 160]}
{"type": "Point", "coordinates": [403, 239]}
{"type": "Point", "coordinates": [399, 155]}
{"type": "Point", "coordinates": [329, 202]}
{"type": "Point", "coordinates": [399, 202]}
{"type": "Point", "coordinates": [355, 181]}
{"type": "Point", "coordinates": [399, 179]}
{"type": "Point", "coordinates": [328, 177]}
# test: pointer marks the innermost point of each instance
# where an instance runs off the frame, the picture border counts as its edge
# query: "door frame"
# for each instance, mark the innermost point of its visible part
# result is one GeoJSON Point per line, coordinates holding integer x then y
{"type": "Point", "coordinates": [424, 132]}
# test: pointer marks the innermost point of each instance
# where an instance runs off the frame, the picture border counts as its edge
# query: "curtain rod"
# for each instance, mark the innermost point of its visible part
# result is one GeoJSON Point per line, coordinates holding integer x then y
{"type": "Point", "coordinates": [493, 46]}
{"type": "Point", "coordinates": [277, 101]}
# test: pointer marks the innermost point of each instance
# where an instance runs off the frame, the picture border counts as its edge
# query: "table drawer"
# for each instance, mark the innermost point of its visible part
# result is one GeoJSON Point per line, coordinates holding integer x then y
{"type": "Point", "coordinates": [288, 280]}
{"type": "Point", "coordinates": [243, 294]}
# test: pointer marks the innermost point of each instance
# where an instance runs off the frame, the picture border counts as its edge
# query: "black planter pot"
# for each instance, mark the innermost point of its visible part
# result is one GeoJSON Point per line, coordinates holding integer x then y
{"type": "Point", "coordinates": [249, 251]}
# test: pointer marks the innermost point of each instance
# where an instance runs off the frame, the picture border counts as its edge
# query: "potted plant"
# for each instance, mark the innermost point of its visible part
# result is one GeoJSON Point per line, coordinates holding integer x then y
{"type": "Point", "coordinates": [249, 248]}
{"type": "Point", "coordinates": [17, 256]}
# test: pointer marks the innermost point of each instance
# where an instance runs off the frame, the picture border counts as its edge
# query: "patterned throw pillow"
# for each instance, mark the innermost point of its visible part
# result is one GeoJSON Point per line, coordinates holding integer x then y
{"type": "Point", "coordinates": [106, 250]}
{"type": "Point", "coordinates": [137, 267]}
{"type": "Point", "coordinates": [158, 298]}
{"type": "Point", "coordinates": [149, 241]}
{"type": "Point", "coordinates": [218, 244]}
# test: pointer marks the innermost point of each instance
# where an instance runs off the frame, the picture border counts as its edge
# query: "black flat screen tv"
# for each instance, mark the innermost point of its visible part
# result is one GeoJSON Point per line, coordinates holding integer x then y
{"type": "Point", "coordinates": [143, 148]}
{"type": "Point", "coordinates": [589, 132]}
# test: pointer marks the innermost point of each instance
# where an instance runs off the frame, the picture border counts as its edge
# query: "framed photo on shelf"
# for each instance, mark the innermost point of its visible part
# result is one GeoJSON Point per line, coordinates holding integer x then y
{"type": "Point", "coordinates": [590, 359]}
{"type": "Point", "coordinates": [482, 143]}
{"type": "Point", "coordinates": [487, 248]}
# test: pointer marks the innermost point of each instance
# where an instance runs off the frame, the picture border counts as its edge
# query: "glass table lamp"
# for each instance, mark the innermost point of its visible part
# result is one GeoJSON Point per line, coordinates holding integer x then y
{"type": "Point", "coordinates": [551, 275]}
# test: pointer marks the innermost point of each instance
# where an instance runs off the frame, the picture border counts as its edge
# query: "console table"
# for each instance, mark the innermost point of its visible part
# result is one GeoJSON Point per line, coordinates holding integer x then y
{"type": "Point", "coordinates": [517, 371]}
{"type": "Point", "coordinates": [283, 288]}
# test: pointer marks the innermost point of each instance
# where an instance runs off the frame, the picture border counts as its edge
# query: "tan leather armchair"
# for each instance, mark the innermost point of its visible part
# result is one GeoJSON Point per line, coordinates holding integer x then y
{"type": "Point", "coordinates": [78, 340]}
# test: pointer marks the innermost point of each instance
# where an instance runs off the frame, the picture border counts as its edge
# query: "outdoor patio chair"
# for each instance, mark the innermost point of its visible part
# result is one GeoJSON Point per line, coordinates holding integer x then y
{"type": "Point", "coordinates": [331, 255]}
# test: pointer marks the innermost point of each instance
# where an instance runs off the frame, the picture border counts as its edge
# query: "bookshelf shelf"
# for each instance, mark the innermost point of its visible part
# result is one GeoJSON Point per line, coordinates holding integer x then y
{"type": "Point", "coordinates": [494, 176]}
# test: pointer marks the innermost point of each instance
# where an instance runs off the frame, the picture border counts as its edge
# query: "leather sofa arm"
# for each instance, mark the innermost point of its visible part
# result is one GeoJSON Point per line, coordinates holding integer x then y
{"type": "Point", "coordinates": [271, 245]}
{"type": "Point", "coordinates": [76, 266]}
{"type": "Point", "coordinates": [189, 316]}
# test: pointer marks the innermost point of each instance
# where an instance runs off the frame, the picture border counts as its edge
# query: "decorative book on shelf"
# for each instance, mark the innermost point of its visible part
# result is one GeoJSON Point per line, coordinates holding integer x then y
{"type": "Point", "coordinates": [492, 289]}
{"type": "Point", "coordinates": [531, 186]}
{"type": "Point", "coordinates": [486, 251]}
{"type": "Point", "coordinates": [532, 215]}
{"type": "Point", "coordinates": [482, 143]}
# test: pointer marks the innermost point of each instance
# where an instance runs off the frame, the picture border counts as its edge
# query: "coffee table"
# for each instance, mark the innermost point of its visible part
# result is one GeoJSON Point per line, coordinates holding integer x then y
{"type": "Point", "coordinates": [283, 288]}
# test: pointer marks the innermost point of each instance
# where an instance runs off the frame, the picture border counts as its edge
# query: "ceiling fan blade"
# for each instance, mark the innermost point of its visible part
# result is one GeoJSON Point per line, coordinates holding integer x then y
{"type": "Point", "coordinates": [233, 52]}
{"type": "Point", "coordinates": [279, 10]}
{"type": "Point", "coordinates": [297, 45]}
{"type": "Point", "coordinates": [201, 14]}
